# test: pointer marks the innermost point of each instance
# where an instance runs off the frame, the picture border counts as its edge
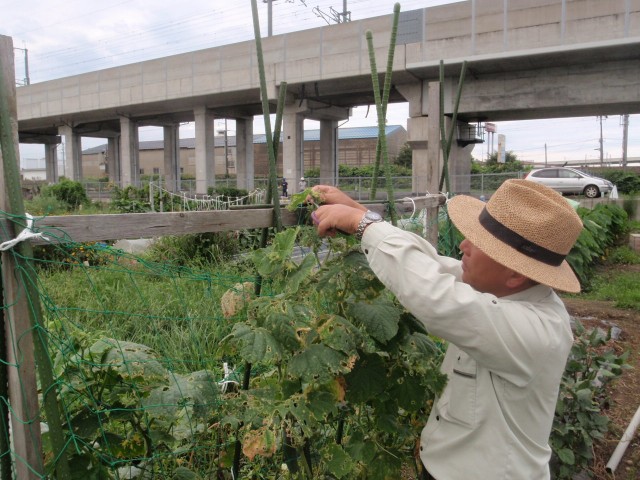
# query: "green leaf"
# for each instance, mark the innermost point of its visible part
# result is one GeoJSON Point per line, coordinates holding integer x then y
{"type": "Point", "coordinates": [318, 364]}
{"type": "Point", "coordinates": [284, 242]}
{"type": "Point", "coordinates": [361, 449]}
{"type": "Point", "coordinates": [419, 345]}
{"type": "Point", "coordinates": [185, 403]}
{"type": "Point", "coordinates": [339, 463]}
{"type": "Point", "coordinates": [584, 396]}
{"type": "Point", "coordinates": [380, 319]}
{"type": "Point", "coordinates": [408, 392]}
{"type": "Point", "coordinates": [256, 345]}
{"type": "Point", "coordinates": [283, 327]}
{"type": "Point", "coordinates": [86, 423]}
{"type": "Point", "coordinates": [566, 456]}
{"type": "Point", "coordinates": [388, 423]}
{"type": "Point", "coordinates": [367, 379]}
{"type": "Point", "coordinates": [321, 404]}
{"type": "Point", "coordinates": [339, 334]}
{"type": "Point", "coordinates": [120, 447]}
{"type": "Point", "coordinates": [129, 359]}
{"type": "Point", "coordinates": [183, 473]}
{"type": "Point", "coordinates": [300, 199]}
{"type": "Point", "coordinates": [303, 270]}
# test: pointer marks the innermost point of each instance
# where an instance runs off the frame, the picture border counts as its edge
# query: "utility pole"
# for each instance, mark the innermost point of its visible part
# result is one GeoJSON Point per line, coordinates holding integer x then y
{"type": "Point", "coordinates": [269, 16]}
{"type": "Point", "coordinates": [601, 143]}
{"type": "Point", "coordinates": [625, 139]}
{"type": "Point", "coordinates": [545, 154]}
{"type": "Point", "coordinates": [226, 149]}
{"type": "Point", "coordinates": [270, 13]}
{"type": "Point", "coordinates": [334, 15]}
{"type": "Point", "coordinates": [27, 81]}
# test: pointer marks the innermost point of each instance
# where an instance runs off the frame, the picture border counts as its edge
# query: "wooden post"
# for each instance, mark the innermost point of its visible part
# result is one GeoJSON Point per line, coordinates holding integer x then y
{"type": "Point", "coordinates": [23, 392]}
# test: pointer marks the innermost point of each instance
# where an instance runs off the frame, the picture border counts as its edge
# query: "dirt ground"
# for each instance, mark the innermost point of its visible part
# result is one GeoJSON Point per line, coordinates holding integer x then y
{"type": "Point", "coordinates": [624, 392]}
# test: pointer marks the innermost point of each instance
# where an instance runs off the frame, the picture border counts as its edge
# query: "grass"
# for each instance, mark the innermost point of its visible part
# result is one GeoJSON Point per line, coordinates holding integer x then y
{"type": "Point", "coordinates": [174, 311]}
{"type": "Point", "coordinates": [619, 279]}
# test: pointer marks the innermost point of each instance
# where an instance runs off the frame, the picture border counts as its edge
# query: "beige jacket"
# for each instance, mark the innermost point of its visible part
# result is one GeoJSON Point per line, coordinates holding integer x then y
{"type": "Point", "coordinates": [504, 362]}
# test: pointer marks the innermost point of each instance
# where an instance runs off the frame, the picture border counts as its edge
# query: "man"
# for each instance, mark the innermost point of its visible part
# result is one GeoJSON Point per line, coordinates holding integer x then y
{"type": "Point", "coordinates": [508, 332]}
{"type": "Point", "coordinates": [284, 187]}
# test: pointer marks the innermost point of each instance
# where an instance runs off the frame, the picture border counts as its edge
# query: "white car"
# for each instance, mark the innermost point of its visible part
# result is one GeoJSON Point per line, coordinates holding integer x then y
{"type": "Point", "coordinates": [570, 180]}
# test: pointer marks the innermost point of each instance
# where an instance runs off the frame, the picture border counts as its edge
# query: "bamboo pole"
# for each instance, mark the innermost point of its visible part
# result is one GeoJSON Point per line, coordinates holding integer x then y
{"type": "Point", "coordinates": [26, 319]}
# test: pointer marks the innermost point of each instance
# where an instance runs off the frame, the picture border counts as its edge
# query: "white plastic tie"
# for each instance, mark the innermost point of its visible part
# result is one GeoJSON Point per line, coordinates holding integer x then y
{"type": "Point", "coordinates": [25, 234]}
{"type": "Point", "coordinates": [414, 206]}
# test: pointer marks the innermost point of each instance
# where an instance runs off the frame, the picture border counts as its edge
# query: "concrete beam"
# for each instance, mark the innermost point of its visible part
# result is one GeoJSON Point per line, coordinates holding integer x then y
{"type": "Point", "coordinates": [34, 138]}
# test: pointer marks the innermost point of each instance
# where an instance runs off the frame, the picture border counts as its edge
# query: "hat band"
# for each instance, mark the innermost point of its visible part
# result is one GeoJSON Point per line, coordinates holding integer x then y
{"type": "Point", "coordinates": [518, 242]}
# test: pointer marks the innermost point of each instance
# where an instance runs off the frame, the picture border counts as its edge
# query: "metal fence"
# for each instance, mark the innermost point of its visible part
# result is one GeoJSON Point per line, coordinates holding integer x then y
{"type": "Point", "coordinates": [478, 185]}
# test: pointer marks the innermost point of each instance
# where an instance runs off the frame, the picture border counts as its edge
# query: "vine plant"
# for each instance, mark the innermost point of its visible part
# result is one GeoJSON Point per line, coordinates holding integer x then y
{"type": "Point", "coordinates": [348, 374]}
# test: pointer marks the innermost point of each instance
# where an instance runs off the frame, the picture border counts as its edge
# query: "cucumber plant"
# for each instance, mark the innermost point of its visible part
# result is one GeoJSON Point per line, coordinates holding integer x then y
{"type": "Point", "coordinates": [348, 375]}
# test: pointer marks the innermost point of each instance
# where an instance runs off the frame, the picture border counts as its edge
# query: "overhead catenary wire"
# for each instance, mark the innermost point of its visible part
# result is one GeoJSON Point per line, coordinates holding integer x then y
{"type": "Point", "coordinates": [187, 33]}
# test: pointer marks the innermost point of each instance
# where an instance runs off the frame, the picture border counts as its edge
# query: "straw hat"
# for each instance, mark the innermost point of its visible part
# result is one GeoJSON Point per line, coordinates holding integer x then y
{"type": "Point", "coordinates": [524, 226]}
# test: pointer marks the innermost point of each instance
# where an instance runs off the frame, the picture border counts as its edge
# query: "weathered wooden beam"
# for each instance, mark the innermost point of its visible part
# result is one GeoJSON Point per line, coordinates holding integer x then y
{"type": "Point", "coordinates": [91, 228]}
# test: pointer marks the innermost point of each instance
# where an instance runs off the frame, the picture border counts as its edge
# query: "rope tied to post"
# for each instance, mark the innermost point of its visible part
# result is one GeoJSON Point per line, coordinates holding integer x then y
{"type": "Point", "coordinates": [26, 234]}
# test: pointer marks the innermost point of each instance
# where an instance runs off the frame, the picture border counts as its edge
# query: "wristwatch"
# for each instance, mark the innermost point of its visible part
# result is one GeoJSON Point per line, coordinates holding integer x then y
{"type": "Point", "coordinates": [368, 218]}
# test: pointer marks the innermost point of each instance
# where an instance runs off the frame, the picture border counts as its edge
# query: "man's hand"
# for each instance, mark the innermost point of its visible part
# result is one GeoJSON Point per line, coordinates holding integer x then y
{"type": "Point", "coordinates": [334, 196]}
{"type": "Point", "coordinates": [331, 219]}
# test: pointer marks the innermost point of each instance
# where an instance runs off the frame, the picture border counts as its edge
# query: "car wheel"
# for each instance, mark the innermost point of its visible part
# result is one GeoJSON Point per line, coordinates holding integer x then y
{"type": "Point", "coordinates": [591, 191]}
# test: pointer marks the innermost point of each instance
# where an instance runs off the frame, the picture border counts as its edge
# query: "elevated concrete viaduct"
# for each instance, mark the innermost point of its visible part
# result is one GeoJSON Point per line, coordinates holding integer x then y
{"type": "Point", "coordinates": [526, 59]}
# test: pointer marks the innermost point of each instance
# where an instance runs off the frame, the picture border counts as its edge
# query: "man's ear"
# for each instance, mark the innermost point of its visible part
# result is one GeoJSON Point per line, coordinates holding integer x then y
{"type": "Point", "coordinates": [517, 281]}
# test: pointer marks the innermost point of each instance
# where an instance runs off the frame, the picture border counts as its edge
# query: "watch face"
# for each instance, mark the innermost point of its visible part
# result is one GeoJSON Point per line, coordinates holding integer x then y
{"type": "Point", "coordinates": [373, 216]}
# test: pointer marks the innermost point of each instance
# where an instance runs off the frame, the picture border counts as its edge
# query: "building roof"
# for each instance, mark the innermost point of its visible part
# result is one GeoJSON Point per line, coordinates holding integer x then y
{"type": "Point", "coordinates": [309, 136]}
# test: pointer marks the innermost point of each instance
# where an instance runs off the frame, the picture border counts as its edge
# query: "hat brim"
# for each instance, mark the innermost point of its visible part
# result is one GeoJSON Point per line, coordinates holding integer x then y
{"type": "Point", "coordinates": [464, 212]}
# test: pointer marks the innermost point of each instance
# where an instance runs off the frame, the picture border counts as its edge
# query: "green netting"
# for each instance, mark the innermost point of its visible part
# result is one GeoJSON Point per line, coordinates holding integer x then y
{"type": "Point", "coordinates": [134, 347]}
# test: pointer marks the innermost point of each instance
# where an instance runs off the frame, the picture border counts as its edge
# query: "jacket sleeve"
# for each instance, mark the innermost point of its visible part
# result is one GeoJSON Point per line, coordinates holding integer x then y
{"type": "Point", "coordinates": [508, 337]}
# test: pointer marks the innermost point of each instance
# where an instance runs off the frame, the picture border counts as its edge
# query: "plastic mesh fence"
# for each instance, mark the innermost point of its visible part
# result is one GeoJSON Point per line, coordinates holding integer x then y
{"type": "Point", "coordinates": [134, 347]}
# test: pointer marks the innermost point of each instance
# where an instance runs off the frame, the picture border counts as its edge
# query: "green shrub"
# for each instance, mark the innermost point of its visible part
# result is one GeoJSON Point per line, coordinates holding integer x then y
{"type": "Point", "coordinates": [45, 205]}
{"type": "Point", "coordinates": [361, 171]}
{"type": "Point", "coordinates": [67, 191]}
{"type": "Point", "coordinates": [227, 192]}
{"type": "Point", "coordinates": [627, 182]}
{"type": "Point", "coordinates": [604, 226]}
{"type": "Point", "coordinates": [195, 249]}
{"type": "Point", "coordinates": [578, 421]}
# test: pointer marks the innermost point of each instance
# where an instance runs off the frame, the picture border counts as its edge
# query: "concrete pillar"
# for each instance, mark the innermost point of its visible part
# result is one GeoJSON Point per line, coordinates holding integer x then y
{"type": "Point", "coordinates": [72, 153]}
{"type": "Point", "coordinates": [293, 146]}
{"type": "Point", "coordinates": [172, 158]}
{"type": "Point", "coordinates": [205, 165]}
{"type": "Point", "coordinates": [129, 152]}
{"type": "Point", "coordinates": [329, 152]}
{"type": "Point", "coordinates": [245, 162]}
{"type": "Point", "coordinates": [459, 162]}
{"type": "Point", "coordinates": [423, 135]}
{"type": "Point", "coordinates": [114, 169]}
{"type": "Point", "coordinates": [51, 162]}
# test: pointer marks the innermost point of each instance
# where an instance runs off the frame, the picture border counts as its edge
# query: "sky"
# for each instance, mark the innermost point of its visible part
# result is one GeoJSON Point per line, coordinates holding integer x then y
{"type": "Point", "coordinates": [87, 36]}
